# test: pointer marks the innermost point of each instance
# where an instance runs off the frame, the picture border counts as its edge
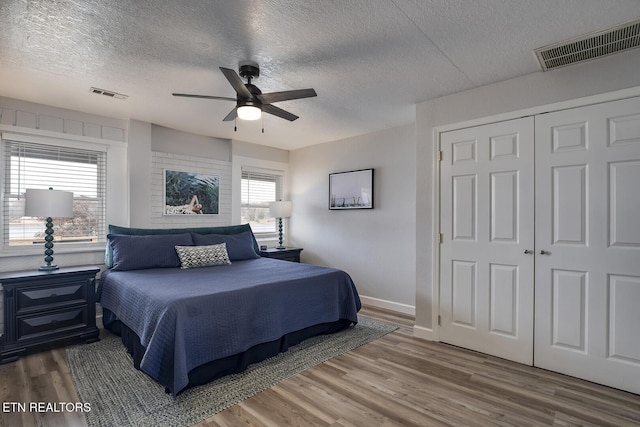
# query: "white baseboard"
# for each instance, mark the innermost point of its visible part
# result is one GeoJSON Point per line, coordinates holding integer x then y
{"type": "Point", "coordinates": [389, 305]}
{"type": "Point", "coordinates": [418, 331]}
{"type": "Point", "coordinates": [425, 333]}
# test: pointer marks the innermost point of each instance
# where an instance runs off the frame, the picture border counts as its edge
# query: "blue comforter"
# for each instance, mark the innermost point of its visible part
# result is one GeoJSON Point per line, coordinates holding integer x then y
{"type": "Point", "coordinates": [186, 318]}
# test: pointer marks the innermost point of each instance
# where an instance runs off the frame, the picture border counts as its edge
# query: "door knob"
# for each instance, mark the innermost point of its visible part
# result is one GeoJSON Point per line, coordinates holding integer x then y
{"type": "Point", "coordinates": [544, 252]}
{"type": "Point", "coordinates": [527, 252]}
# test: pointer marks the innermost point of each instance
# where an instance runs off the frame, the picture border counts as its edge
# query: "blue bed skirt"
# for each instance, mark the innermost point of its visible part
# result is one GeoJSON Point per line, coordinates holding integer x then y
{"type": "Point", "coordinates": [228, 365]}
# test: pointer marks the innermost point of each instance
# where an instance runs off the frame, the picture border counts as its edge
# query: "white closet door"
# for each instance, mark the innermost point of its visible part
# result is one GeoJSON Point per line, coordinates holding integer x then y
{"type": "Point", "coordinates": [486, 278]}
{"type": "Point", "coordinates": [587, 303]}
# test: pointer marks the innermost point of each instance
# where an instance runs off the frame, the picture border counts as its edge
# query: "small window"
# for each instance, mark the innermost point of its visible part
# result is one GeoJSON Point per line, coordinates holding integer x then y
{"type": "Point", "coordinates": [258, 188]}
{"type": "Point", "coordinates": [42, 166]}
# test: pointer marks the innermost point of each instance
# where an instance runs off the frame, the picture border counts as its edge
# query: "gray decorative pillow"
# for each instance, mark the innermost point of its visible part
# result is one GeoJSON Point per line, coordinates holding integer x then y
{"type": "Point", "coordinates": [203, 256]}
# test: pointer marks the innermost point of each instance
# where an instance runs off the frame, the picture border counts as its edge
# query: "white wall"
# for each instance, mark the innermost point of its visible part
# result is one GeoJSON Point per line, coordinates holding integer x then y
{"type": "Point", "coordinates": [531, 94]}
{"type": "Point", "coordinates": [139, 183]}
{"type": "Point", "coordinates": [262, 152]}
{"type": "Point", "coordinates": [376, 247]}
{"type": "Point", "coordinates": [166, 140]}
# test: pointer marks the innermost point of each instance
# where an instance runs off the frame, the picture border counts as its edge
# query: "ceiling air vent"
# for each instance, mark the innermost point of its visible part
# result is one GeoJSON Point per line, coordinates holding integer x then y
{"type": "Point", "coordinates": [591, 46]}
{"type": "Point", "coordinates": [108, 93]}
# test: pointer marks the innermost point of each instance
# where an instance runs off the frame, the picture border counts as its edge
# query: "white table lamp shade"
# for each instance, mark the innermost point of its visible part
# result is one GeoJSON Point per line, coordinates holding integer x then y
{"type": "Point", "coordinates": [48, 203]}
{"type": "Point", "coordinates": [281, 209]}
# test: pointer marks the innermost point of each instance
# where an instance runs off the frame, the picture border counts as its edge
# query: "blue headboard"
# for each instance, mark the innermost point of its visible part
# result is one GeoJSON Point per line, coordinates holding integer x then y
{"type": "Point", "coordinates": [228, 229]}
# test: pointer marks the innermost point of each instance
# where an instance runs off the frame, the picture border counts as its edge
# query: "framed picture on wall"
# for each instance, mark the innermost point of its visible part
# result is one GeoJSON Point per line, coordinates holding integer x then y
{"type": "Point", "coordinates": [191, 193]}
{"type": "Point", "coordinates": [351, 190]}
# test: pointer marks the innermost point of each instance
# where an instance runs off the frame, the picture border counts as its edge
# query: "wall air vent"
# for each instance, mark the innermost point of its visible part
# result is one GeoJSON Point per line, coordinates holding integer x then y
{"type": "Point", "coordinates": [108, 93]}
{"type": "Point", "coordinates": [591, 46]}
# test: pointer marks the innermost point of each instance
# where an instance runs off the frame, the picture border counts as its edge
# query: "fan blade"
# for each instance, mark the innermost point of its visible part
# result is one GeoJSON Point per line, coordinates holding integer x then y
{"type": "Point", "coordinates": [269, 98]}
{"type": "Point", "coordinates": [187, 95]}
{"type": "Point", "coordinates": [236, 82]}
{"type": "Point", "coordinates": [231, 116]}
{"type": "Point", "coordinates": [272, 109]}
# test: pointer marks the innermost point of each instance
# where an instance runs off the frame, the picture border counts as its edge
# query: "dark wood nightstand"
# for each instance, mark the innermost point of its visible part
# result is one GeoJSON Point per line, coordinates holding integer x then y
{"type": "Point", "coordinates": [287, 254]}
{"type": "Point", "coordinates": [43, 307]}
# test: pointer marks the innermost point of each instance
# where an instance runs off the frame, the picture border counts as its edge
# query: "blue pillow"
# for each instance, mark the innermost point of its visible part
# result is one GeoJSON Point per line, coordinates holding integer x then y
{"type": "Point", "coordinates": [152, 251]}
{"type": "Point", "coordinates": [239, 246]}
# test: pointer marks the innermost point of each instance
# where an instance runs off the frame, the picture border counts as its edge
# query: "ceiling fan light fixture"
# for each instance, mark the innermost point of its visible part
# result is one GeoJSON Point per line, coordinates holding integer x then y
{"type": "Point", "coordinates": [249, 112]}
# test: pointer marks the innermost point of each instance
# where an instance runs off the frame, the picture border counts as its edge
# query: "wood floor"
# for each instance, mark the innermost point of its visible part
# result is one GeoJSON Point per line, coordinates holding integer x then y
{"type": "Point", "coordinates": [398, 380]}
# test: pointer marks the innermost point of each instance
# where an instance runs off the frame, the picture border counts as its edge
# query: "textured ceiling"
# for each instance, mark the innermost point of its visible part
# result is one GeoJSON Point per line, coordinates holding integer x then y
{"type": "Point", "coordinates": [370, 61]}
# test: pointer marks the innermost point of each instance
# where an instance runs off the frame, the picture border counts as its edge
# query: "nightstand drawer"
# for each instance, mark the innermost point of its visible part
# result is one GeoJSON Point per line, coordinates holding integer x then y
{"type": "Point", "coordinates": [30, 327]}
{"type": "Point", "coordinates": [51, 296]}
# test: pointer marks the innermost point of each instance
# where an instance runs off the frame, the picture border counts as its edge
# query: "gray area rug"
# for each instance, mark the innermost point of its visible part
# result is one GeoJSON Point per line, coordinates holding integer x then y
{"type": "Point", "coordinates": [120, 395]}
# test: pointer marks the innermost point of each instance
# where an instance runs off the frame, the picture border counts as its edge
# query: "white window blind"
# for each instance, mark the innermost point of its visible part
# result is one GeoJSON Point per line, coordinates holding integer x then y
{"type": "Point", "coordinates": [42, 166]}
{"type": "Point", "coordinates": [258, 188]}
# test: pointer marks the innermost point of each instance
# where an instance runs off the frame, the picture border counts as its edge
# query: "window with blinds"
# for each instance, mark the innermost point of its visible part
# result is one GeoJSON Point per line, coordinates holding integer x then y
{"type": "Point", "coordinates": [42, 166]}
{"type": "Point", "coordinates": [258, 188]}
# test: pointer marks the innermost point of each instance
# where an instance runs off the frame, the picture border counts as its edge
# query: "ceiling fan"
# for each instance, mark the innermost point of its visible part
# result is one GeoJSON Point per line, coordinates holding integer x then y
{"type": "Point", "coordinates": [250, 101]}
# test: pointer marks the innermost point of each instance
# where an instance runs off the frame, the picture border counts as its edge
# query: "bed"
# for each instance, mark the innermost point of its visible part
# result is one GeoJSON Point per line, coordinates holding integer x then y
{"type": "Point", "coordinates": [192, 305]}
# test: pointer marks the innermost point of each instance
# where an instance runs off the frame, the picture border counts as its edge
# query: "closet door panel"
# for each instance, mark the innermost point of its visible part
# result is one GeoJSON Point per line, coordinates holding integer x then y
{"type": "Point", "coordinates": [486, 286]}
{"type": "Point", "coordinates": [569, 292]}
{"type": "Point", "coordinates": [624, 204]}
{"type": "Point", "coordinates": [624, 293]}
{"type": "Point", "coordinates": [570, 215]}
{"type": "Point", "coordinates": [587, 291]}
{"type": "Point", "coordinates": [504, 207]}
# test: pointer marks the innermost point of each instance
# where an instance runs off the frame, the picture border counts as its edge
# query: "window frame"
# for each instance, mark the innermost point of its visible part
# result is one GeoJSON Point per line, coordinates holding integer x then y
{"type": "Point", "coordinates": [70, 142]}
{"type": "Point", "coordinates": [273, 176]}
{"type": "Point", "coordinates": [249, 163]}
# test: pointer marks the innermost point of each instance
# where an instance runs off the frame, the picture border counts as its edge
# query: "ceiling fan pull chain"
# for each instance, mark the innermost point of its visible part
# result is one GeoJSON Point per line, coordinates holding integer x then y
{"type": "Point", "coordinates": [235, 124]}
{"type": "Point", "coordinates": [263, 123]}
